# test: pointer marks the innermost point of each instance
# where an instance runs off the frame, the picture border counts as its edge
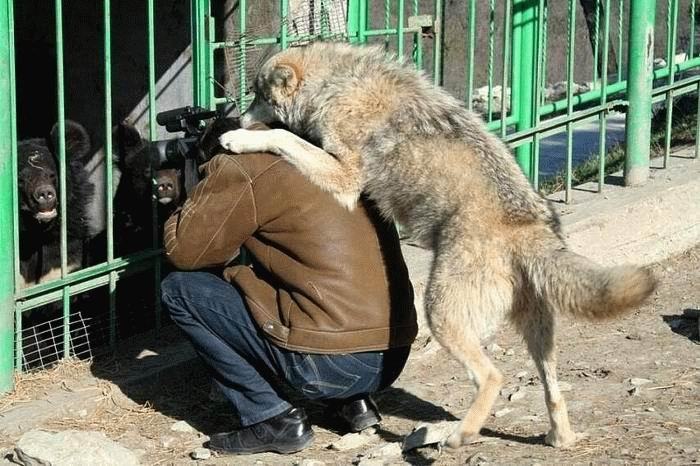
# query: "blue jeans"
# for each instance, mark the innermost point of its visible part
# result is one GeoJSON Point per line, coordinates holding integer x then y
{"type": "Point", "coordinates": [214, 316]}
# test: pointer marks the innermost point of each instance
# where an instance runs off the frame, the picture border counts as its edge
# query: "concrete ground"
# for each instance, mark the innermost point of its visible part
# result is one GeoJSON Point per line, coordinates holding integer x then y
{"type": "Point", "coordinates": [631, 385]}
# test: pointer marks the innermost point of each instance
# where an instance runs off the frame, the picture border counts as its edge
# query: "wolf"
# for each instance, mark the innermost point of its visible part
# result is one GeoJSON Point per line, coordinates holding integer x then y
{"type": "Point", "coordinates": [379, 126]}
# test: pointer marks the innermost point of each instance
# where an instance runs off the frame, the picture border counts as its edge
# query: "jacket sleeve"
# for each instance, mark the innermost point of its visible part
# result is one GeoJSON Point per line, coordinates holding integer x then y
{"type": "Point", "coordinates": [215, 220]}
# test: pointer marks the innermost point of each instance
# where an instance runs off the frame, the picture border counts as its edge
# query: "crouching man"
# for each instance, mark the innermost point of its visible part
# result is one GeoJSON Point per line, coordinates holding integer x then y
{"type": "Point", "coordinates": [326, 305]}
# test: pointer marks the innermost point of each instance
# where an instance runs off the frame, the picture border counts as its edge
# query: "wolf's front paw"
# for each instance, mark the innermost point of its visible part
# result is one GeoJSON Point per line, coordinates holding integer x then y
{"type": "Point", "coordinates": [241, 141]}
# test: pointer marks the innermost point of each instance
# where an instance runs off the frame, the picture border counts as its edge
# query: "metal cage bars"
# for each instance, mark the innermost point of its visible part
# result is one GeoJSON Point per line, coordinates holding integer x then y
{"type": "Point", "coordinates": [529, 119]}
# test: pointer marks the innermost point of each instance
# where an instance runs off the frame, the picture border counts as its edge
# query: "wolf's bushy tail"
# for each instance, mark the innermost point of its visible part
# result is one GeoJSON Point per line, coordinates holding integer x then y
{"type": "Point", "coordinates": [572, 283]}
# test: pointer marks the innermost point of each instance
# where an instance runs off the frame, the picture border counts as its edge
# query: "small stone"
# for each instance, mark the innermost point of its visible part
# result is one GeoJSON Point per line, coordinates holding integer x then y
{"type": "Point", "coordinates": [634, 391]}
{"type": "Point", "coordinates": [428, 434]}
{"type": "Point", "coordinates": [182, 426]}
{"type": "Point", "coordinates": [390, 450]}
{"type": "Point", "coordinates": [685, 429]}
{"type": "Point", "coordinates": [82, 413]}
{"type": "Point", "coordinates": [502, 412]}
{"type": "Point", "coordinates": [510, 352]}
{"type": "Point", "coordinates": [637, 381]}
{"type": "Point", "coordinates": [521, 375]}
{"type": "Point", "coordinates": [168, 441]}
{"type": "Point", "coordinates": [650, 409]}
{"type": "Point", "coordinates": [200, 454]}
{"type": "Point", "coordinates": [369, 431]}
{"type": "Point", "coordinates": [494, 348]}
{"type": "Point", "coordinates": [476, 459]}
{"type": "Point", "coordinates": [352, 441]}
{"type": "Point", "coordinates": [564, 387]}
{"type": "Point", "coordinates": [518, 395]}
{"type": "Point", "coordinates": [689, 450]}
{"type": "Point", "coordinates": [71, 447]}
{"type": "Point", "coordinates": [625, 452]}
{"type": "Point", "coordinates": [311, 462]}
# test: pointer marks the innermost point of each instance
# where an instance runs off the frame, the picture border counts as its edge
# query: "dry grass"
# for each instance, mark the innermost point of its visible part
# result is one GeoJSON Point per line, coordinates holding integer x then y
{"type": "Point", "coordinates": [31, 386]}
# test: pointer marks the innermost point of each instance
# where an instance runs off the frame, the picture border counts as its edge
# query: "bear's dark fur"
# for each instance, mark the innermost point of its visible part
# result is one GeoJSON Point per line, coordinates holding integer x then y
{"type": "Point", "coordinates": [39, 205]}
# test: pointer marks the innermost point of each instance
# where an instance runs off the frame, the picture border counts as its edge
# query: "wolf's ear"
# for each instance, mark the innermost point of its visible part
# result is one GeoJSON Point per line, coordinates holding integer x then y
{"type": "Point", "coordinates": [285, 78]}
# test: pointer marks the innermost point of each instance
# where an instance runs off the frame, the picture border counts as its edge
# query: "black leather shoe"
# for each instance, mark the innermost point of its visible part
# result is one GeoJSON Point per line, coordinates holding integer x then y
{"type": "Point", "coordinates": [288, 432]}
{"type": "Point", "coordinates": [359, 413]}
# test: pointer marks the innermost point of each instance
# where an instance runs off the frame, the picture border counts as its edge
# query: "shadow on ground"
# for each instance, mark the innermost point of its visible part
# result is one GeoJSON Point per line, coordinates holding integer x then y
{"type": "Point", "coordinates": [685, 324]}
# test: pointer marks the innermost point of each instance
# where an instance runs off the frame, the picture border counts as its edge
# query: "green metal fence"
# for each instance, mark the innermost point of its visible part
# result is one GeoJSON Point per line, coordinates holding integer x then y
{"type": "Point", "coordinates": [505, 47]}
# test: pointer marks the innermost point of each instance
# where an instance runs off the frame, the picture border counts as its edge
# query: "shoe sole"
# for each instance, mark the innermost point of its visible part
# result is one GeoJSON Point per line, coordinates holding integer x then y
{"type": "Point", "coordinates": [363, 423]}
{"type": "Point", "coordinates": [303, 442]}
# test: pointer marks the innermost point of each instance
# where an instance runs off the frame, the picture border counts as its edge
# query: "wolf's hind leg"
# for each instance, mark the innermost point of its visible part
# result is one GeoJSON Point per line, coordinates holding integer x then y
{"type": "Point", "coordinates": [537, 327]}
{"type": "Point", "coordinates": [456, 306]}
{"type": "Point", "coordinates": [338, 174]}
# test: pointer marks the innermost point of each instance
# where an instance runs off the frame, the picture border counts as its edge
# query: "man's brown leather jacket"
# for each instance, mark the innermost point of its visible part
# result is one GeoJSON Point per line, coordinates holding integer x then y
{"type": "Point", "coordinates": [323, 279]}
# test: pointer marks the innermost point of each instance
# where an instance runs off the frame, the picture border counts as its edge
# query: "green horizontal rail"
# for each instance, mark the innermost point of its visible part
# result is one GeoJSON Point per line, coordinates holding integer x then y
{"type": "Point", "coordinates": [87, 273]}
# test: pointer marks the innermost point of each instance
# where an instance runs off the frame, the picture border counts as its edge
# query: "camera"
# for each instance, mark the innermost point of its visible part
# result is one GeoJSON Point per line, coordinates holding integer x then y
{"type": "Point", "coordinates": [190, 120]}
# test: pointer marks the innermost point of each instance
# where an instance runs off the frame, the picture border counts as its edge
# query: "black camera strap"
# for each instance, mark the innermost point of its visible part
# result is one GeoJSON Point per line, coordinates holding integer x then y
{"type": "Point", "coordinates": [191, 175]}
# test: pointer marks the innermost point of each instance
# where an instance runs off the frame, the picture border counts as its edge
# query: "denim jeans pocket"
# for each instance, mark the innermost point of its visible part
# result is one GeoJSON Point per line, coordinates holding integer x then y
{"type": "Point", "coordinates": [320, 376]}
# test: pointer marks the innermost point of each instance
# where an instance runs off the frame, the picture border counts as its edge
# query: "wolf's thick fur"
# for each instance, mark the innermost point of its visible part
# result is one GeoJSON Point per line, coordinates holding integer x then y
{"type": "Point", "coordinates": [432, 165]}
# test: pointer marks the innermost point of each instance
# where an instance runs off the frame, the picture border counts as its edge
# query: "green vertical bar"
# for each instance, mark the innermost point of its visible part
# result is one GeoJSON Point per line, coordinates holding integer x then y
{"type": "Point", "coordinates": [602, 143]}
{"type": "Point", "coordinates": [363, 15]}
{"type": "Point", "coordinates": [596, 43]}
{"type": "Point", "coordinates": [107, 9]}
{"type": "Point", "coordinates": [570, 54]}
{"type": "Point", "coordinates": [470, 52]}
{"type": "Point", "coordinates": [198, 19]}
{"type": "Point", "coordinates": [697, 127]}
{"type": "Point", "coordinates": [417, 52]}
{"type": "Point", "coordinates": [353, 22]}
{"type": "Point", "coordinates": [523, 74]}
{"type": "Point", "coordinates": [399, 29]}
{"type": "Point", "coordinates": [152, 133]}
{"type": "Point", "coordinates": [66, 321]}
{"type": "Point", "coordinates": [620, 19]}
{"type": "Point", "coordinates": [691, 52]}
{"type": "Point", "coordinates": [639, 81]}
{"type": "Point", "coordinates": [284, 14]}
{"type": "Point", "coordinates": [437, 46]}
{"type": "Point", "coordinates": [7, 197]}
{"type": "Point", "coordinates": [539, 86]}
{"type": "Point", "coordinates": [60, 78]}
{"type": "Point", "coordinates": [504, 69]}
{"type": "Point", "coordinates": [242, 78]}
{"type": "Point", "coordinates": [60, 89]}
{"type": "Point", "coordinates": [489, 73]}
{"type": "Point", "coordinates": [672, 20]}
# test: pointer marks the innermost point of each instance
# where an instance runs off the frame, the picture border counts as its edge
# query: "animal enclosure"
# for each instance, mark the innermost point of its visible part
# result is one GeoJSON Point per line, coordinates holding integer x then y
{"type": "Point", "coordinates": [544, 76]}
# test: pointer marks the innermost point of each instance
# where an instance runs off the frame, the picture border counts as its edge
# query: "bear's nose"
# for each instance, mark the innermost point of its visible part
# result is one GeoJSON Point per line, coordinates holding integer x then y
{"type": "Point", "coordinates": [45, 196]}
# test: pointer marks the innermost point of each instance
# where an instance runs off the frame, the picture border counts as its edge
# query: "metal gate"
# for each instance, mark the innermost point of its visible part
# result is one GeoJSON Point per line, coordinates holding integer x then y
{"type": "Point", "coordinates": [501, 51]}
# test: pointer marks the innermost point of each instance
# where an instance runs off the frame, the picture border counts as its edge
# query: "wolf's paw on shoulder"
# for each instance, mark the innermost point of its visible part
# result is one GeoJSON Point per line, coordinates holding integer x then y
{"type": "Point", "coordinates": [241, 141]}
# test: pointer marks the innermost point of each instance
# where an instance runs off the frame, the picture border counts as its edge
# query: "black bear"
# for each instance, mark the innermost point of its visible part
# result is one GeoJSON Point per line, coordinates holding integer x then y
{"type": "Point", "coordinates": [39, 206]}
{"type": "Point", "coordinates": [132, 202]}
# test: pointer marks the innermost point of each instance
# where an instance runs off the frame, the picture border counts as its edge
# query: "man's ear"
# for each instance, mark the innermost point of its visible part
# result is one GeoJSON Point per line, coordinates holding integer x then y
{"type": "Point", "coordinates": [286, 78]}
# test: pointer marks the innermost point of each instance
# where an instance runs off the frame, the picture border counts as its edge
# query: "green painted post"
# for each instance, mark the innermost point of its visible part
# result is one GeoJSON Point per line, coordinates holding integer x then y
{"type": "Point", "coordinates": [524, 75]}
{"type": "Point", "coordinates": [639, 82]}
{"type": "Point", "coordinates": [7, 199]}
{"type": "Point", "coordinates": [354, 19]}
